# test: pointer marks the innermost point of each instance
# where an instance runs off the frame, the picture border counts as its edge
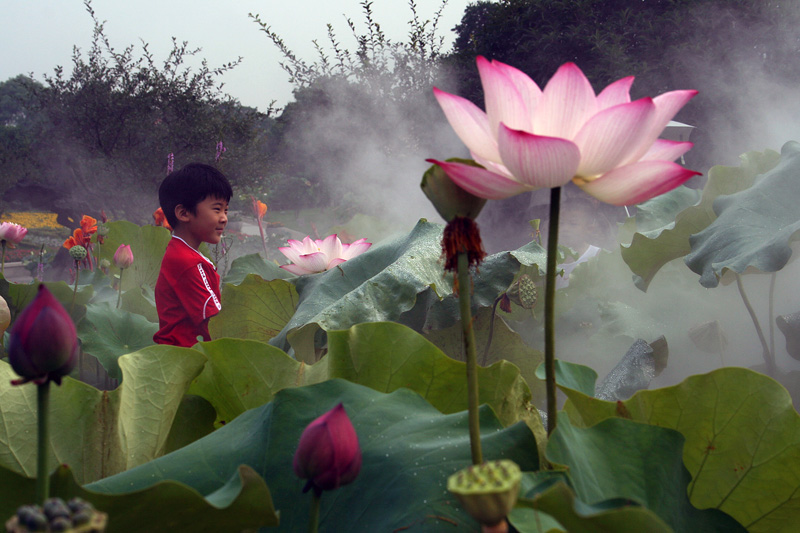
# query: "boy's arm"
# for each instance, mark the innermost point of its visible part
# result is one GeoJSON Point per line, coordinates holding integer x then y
{"type": "Point", "coordinates": [195, 288]}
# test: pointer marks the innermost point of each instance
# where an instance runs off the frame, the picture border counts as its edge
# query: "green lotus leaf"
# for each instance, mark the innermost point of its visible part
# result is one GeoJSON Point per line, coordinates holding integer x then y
{"type": "Point", "coordinates": [384, 356]}
{"type": "Point", "coordinates": [572, 375]}
{"type": "Point", "coordinates": [99, 433]}
{"type": "Point", "coordinates": [147, 243]}
{"type": "Point", "coordinates": [254, 309]}
{"type": "Point", "coordinates": [108, 333]}
{"type": "Point", "coordinates": [553, 501]}
{"type": "Point", "coordinates": [652, 248]}
{"type": "Point", "coordinates": [254, 264]}
{"type": "Point", "coordinates": [141, 301]}
{"type": "Point", "coordinates": [399, 280]}
{"type": "Point", "coordinates": [408, 450]}
{"type": "Point", "coordinates": [506, 345]}
{"type": "Point", "coordinates": [742, 441]}
{"type": "Point", "coordinates": [18, 296]}
{"type": "Point", "coordinates": [753, 227]}
{"type": "Point", "coordinates": [243, 502]}
{"type": "Point", "coordinates": [619, 458]}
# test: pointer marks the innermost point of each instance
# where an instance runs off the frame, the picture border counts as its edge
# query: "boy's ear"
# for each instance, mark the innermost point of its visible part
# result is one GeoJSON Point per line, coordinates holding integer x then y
{"type": "Point", "coordinates": [181, 213]}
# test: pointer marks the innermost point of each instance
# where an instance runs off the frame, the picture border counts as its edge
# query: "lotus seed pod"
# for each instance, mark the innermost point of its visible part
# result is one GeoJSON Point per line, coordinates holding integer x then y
{"type": "Point", "coordinates": [487, 491]}
{"type": "Point", "coordinates": [102, 230]}
{"type": "Point", "coordinates": [78, 252]}
{"type": "Point", "coordinates": [523, 292]}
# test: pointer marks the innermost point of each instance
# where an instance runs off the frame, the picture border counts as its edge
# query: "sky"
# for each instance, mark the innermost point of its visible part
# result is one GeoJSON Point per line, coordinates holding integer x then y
{"type": "Point", "coordinates": [42, 34]}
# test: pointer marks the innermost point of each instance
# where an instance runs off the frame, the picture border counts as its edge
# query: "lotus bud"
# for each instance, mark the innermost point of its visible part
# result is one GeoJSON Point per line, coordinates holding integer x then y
{"type": "Point", "coordinates": [487, 491]}
{"type": "Point", "coordinates": [523, 292]}
{"type": "Point", "coordinates": [449, 199]}
{"type": "Point", "coordinates": [123, 257]}
{"type": "Point", "coordinates": [328, 454]}
{"type": "Point", "coordinates": [78, 252]}
{"type": "Point", "coordinates": [103, 230]}
{"type": "Point", "coordinates": [12, 233]}
{"type": "Point", "coordinates": [43, 342]}
{"type": "Point", "coordinates": [5, 316]}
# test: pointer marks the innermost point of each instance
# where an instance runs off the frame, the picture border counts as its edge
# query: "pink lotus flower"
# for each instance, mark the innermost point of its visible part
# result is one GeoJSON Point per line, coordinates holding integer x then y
{"type": "Point", "coordinates": [530, 138]}
{"type": "Point", "coordinates": [328, 454]}
{"type": "Point", "coordinates": [312, 256]}
{"type": "Point", "coordinates": [12, 233]}
{"type": "Point", "coordinates": [43, 344]}
{"type": "Point", "coordinates": [123, 257]}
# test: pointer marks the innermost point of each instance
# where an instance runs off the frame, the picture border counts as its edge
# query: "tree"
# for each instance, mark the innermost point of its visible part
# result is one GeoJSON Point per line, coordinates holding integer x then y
{"type": "Point", "coordinates": [103, 132]}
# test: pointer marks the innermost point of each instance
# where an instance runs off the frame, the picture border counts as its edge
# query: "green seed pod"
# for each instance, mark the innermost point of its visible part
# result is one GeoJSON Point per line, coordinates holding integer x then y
{"type": "Point", "coordinates": [523, 292]}
{"type": "Point", "coordinates": [78, 252]}
{"type": "Point", "coordinates": [487, 491]}
{"type": "Point", "coordinates": [102, 230]}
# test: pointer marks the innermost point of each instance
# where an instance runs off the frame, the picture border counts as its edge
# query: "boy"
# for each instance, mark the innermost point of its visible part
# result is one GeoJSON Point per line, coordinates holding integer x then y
{"type": "Point", "coordinates": [195, 201]}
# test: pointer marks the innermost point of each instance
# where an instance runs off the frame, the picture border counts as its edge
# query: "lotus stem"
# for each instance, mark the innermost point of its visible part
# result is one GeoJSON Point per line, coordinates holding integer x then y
{"type": "Point", "coordinates": [491, 331]}
{"type": "Point", "coordinates": [119, 294]}
{"type": "Point", "coordinates": [768, 357]}
{"type": "Point", "coordinates": [263, 239]}
{"type": "Point", "coordinates": [464, 286]}
{"type": "Point", "coordinates": [549, 308]}
{"type": "Point", "coordinates": [43, 441]}
{"type": "Point", "coordinates": [772, 314]}
{"type": "Point", "coordinates": [75, 288]}
{"type": "Point", "coordinates": [313, 512]}
{"type": "Point", "coordinates": [3, 263]}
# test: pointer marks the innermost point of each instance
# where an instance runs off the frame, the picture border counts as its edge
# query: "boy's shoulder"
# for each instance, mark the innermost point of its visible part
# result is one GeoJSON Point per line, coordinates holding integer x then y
{"type": "Point", "coordinates": [179, 256]}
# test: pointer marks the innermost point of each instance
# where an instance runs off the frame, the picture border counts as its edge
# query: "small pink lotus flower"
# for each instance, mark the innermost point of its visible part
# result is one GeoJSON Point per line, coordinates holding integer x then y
{"type": "Point", "coordinates": [12, 233]}
{"type": "Point", "coordinates": [328, 454]}
{"type": "Point", "coordinates": [312, 256]}
{"type": "Point", "coordinates": [123, 257]}
{"type": "Point", "coordinates": [43, 344]}
{"type": "Point", "coordinates": [530, 138]}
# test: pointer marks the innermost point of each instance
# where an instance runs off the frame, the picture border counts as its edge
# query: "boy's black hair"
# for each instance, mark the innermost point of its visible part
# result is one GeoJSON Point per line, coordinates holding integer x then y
{"type": "Point", "coordinates": [189, 186]}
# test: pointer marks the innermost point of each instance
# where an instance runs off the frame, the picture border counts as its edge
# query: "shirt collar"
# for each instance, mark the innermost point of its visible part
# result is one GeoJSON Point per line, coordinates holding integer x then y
{"type": "Point", "coordinates": [206, 259]}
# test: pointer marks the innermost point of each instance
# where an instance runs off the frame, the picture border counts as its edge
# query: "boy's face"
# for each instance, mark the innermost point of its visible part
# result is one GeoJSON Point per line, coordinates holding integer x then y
{"type": "Point", "coordinates": [206, 224]}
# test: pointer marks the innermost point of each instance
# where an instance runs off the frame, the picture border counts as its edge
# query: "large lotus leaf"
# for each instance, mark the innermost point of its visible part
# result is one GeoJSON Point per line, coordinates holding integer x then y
{"type": "Point", "coordinates": [254, 264]}
{"type": "Point", "coordinates": [506, 345]}
{"type": "Point", "coordinates": [754, 227]}
{"type": "Point", "coordinates": [99, 433]}
{"type": "Point", "coordinates": [742, 441]}
{"type": "Point", "coordinates": [384, 356]}
{"type": "Point", "coordinates": [579, 377]}
{"type": "Point", "coordinates": [141, 301]}
{"type": "Point", "coordinates": [194, 420]}
{"type": "Point", "coordinates": [108, 333]}
{"type": "Point", "coordinates": [558, 502]}
{"type": "Point", "coordinates": [651, 249]}
{"type": "Point", "coordinates": [408, 451]}
{"type": "Point", "coordinates": [147, 243]}
{"type": "Point", "coordinates": [255, 309]}
{"type": "Point", "coordinates": [244, 374]}
{"type": "Point", "coordinates": [619, 458]}
{"type": "Point", "coordinates": [243, 502]}
{"type": "Point", "coordinates": [18, 296]}
{"type": "Point", "coordinates": [386, 281]}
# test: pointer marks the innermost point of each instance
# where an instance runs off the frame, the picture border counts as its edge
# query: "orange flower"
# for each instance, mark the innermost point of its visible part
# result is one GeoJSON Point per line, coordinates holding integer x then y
{"type": "Point", "coordinates": [259, 208]}
{"type": "Point", "coordinates": [77, 238]}
{"type": "Point", "coordinates": [160, 219]}
{"type": "Point", "coordinates": [88, 225]}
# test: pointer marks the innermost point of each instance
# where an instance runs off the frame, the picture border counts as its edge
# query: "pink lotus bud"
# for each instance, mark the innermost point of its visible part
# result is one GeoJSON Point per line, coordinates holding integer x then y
{"type": "Point", "coordinates": [12, 233]}
{"type": "Point", "coordinates": [123, 257]}
{"type": "Point", "coordinates": [328, 454]}
{"type": "Point", "coordinates": [43, 342]}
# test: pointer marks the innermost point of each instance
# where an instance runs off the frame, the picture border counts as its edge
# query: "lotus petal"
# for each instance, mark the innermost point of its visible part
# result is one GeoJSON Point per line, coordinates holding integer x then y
{"type": "Point", "coordinates": [481, 182]}
{"type": "Point", "coordinates": [568, 101]}
{"type": "Point", "coordinates": [538, 161]}
{"type": "Point", "coordinates": [636, 183]}
{"type": "Point", "coordinates": [470, 124]}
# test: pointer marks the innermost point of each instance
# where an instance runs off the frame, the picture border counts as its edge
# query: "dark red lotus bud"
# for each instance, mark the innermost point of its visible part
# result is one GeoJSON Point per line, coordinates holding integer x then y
{"type": "Point", "coordinates": [328, 454]}
{"type": "Point", "coordinates": [43, 343]}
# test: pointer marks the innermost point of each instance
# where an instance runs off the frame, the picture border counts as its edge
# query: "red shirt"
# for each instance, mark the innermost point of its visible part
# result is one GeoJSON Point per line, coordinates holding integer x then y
{"type": "Point", "coordinates": [187, 295]}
